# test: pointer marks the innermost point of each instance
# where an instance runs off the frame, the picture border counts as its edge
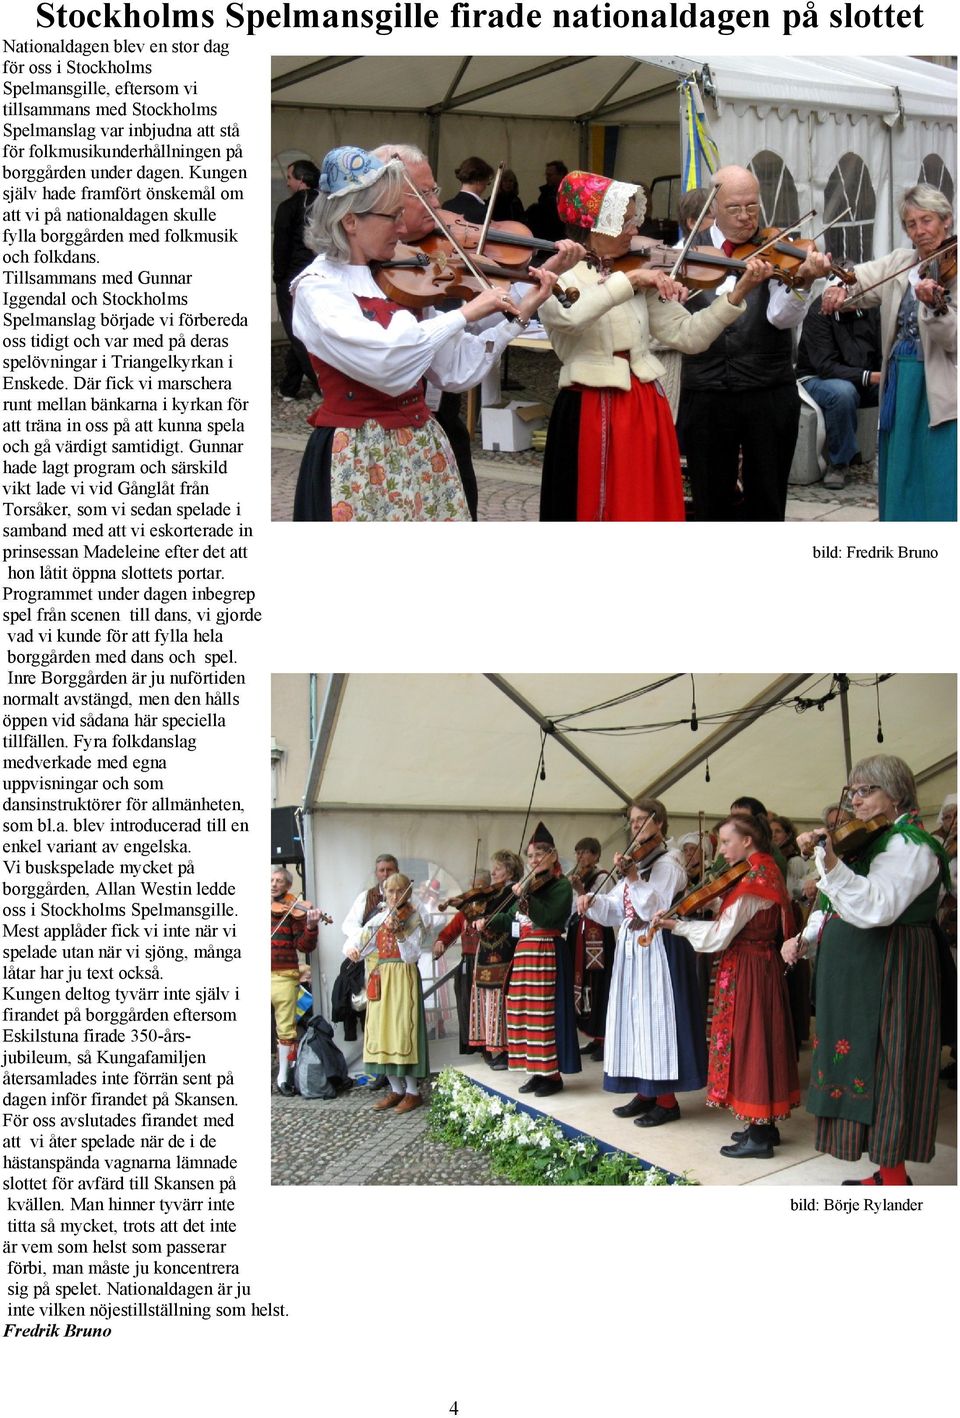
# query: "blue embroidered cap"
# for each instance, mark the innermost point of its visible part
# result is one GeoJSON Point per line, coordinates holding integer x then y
{"type": "Point", "coordinates": [346, 168]}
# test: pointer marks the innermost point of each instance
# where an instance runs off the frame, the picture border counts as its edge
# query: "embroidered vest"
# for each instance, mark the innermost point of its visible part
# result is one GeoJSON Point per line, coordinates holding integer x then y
{"type": "Point", "coordinates": [347, 403]}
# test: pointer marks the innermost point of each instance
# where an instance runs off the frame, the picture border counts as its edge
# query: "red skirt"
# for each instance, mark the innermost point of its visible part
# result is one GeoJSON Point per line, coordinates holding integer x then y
{"type": "Point", "coordinates": [753, 1064]}
{"type": "Point", "coordinates": [629, 463]}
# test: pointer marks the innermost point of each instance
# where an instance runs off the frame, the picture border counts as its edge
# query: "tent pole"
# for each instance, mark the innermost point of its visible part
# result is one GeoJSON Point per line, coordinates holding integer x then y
{"type": "Point", "coordinates": [786, 684]}
{"type": "Point", "coordinates": [844, 684]}
{"type": "Point", "coordinates": [505, 687]}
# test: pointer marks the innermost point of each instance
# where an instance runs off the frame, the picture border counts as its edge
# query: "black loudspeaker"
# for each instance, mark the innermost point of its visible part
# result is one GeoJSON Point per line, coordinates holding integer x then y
{"type": "Point", "coordinates": [286, 835]}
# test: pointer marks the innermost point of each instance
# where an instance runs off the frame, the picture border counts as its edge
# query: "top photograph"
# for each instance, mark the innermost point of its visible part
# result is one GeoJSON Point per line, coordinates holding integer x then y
{"type": "Point", "coordinates": [614, 289]}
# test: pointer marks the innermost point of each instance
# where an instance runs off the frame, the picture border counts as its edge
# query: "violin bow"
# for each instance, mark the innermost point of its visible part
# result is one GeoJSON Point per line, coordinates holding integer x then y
{"type": "Point", "coordinates": [918, 261]}
{"type": "Point", "coordinates": [693, 232]}
{"type": "Point", "coordinates": [482, 240]}
{"type": "Point", "coordinates": [449, 235]}
{"type": "Point", "coordinates": [299, 902]}
{"type": "Point", "coordinates": [610, 870]}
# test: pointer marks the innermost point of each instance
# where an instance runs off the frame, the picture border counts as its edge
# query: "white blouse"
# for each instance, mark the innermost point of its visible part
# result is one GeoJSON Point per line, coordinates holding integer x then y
{"type": "Point", "coordinates": [897, 876]}
{"type": "Point", "coordinates": [411, 943]}
{"type": "Point", "coordinates": [667, 877]}
{"type": "Point", "coordinates": [329, 320]}
{"type": "Point", "coordinates": [709, 937]}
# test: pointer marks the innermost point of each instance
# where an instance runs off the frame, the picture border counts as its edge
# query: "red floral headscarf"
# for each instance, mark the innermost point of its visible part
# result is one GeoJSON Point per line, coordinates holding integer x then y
{"type": "Point", "coordinates": [585, 199]}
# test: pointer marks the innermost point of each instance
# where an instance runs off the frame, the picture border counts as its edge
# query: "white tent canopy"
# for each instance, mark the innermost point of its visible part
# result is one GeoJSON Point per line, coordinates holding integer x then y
{"type": "Point", "coordinates": [471, 742]}
{"type": "Point", "coordinates": [894, 114]}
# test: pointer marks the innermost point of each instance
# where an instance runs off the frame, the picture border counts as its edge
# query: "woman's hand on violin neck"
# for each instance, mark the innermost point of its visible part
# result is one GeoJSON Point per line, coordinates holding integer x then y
{"type": "Point", "coordinates": [489, 302]}
{"type": "Point", "coordinates": [546, 281]}
{"type": "Point", "coordinates": [626, 866]}
{"type": "Point", "coordinates": [930, 293]}
{"type": "Point", "coordinates": [833, 299]}
{"type": "Point", "coordinates": [792, 950]}
{"type": "Point", "coordinates": [812, 268]}
{"type": "Point", "coordinates": [582, 904]}
{"type": "Point", "coordinates": [567, 255]}
{"type": "Point", "coordinates": [757, 271]}
{"type": "Point", "coordinates": [643, 278]}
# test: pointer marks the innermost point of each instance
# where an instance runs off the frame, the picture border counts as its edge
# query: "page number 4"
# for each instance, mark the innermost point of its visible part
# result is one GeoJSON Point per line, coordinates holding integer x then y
{"type": "Point", "coordinates": [454, 1408]}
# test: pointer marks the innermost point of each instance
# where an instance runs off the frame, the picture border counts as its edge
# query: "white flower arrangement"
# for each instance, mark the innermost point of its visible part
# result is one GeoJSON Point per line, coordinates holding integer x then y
{"type": "Point", "coordinates": [462, 1113]}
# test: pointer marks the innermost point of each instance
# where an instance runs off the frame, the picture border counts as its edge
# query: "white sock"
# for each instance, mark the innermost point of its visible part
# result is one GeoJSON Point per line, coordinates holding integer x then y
{"type": "Point", "coordinates": [395, 1083]}
{"type": "Point", "coordinates": [285, 1053]}
{"type": "Point", "coordinates": [412, 1086]}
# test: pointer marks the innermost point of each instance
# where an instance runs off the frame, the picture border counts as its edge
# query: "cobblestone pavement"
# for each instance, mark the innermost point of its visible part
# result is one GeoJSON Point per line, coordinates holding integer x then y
{"type": "Point", "coordinates": [345, 1143]}
{"type": "Point", "coordinates": [510, 482]}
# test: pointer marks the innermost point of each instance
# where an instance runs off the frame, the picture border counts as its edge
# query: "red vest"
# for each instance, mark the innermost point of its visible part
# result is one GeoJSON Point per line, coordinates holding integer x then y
{"type": "Point", "coordinates": [347, 403]}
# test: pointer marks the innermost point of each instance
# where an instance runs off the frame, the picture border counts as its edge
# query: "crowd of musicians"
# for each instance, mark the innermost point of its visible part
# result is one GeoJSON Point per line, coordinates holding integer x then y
{"type": "Point", "coordinates": [374, 328]}
{"type": "Point", "coordinates": [686, 967]}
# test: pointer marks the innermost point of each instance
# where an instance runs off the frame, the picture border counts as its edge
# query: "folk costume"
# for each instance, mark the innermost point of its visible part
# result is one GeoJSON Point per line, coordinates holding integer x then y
{"type": "Point", "coordinates": [488, 1020]}
{"type": "Point", "coordinates": [531, 999]}
{"type": "Point", "coordinates": [459, 928]}
{"type": "Point", "coordinates": [611, 453]}
{"type": "Point", "coordinates": [876, 1056]}
{"type": "Point", "coordinates": [752, 1066]}
{"type": "Point", "coordinates": [655, 1042]}
{"type": "Point", "coordinates": [917, 465]}
{"type": "Point", "coordinates": [376, 454]}
{"type": "Point", "coordinates": [395, 1033]}
{"type": "Point", "coordinates": [290, 932]}
{"type": "Point", "coordinates": [590, 950]}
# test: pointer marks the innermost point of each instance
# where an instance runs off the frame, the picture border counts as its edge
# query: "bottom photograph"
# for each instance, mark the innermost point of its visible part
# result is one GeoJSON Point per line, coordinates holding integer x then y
{"type": "Point", "coordinates": [613, 930]}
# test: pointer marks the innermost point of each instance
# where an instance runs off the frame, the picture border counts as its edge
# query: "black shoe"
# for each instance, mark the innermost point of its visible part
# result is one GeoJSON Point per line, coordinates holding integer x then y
{"type": "Point", "coordinates": [381, 1081]}
{"type": "Point", "coordinates": [596, 1053]}
{"type": "Point", "coordinates": [548, 1087]}
{"type": "Point", "coordinates": [531, 1085]}
{"type": "Point", "coordinates": [877, 1181]}
{"type": "Point", "coordinates": [774, 1138]}
{"type": "Point", "coordinates": [656, 1116]}
{"type": "Point", "coordinates": [750, 1146]}
{"type": "Point", "coordinates": [590, 1045]}
{"type": "Point", "coordinates": [500, 1063]}
{"type": "Point", "coordinates": [287, 1089]}
{"type": "Point", "coordinates": [635, 1107]}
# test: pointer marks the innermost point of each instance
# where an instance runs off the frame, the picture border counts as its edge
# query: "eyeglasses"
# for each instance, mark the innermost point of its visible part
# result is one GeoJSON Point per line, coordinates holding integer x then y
{"type": "Point", "coordinates": [864, 790]}
{"type": "Point", "coordinates": [433, 191]}
{"type": "Point", "coordinates": [750, 210]}
{"type": "Point", "coordinates": [395, 217]}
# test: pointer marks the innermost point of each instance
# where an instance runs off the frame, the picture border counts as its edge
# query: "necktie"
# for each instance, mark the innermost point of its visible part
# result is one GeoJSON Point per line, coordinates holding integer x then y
{"type": "Point", "coordinates": [728, 248]}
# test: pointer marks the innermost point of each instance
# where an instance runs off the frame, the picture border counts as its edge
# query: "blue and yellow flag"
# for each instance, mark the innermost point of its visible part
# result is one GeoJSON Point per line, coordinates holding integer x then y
{"type": "Point", "coordinates": [701, 156]}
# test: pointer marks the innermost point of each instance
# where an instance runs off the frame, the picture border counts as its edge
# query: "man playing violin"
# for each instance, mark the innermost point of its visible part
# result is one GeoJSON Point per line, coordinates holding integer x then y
{"type": "Point", "coordinates": [590, 947]}
{"type": "Point", "coordinates": [293, 929]}
{"type": "Point", "coordinates": [654, 1044]}
{"type": "Point", "coordinates": [739, 397]}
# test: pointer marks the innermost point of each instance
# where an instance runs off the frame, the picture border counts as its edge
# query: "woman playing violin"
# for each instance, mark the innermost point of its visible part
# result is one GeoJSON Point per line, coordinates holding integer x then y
{"type": "Point", "coordinates": [395, 1031]}
{"type": "Point", "coordinates": [376, 454]}
{"type": "Point", "coordinates": [876, 1058]}
{"type": "Point", "coordinates": [487, 1026]}
{"type": "Point", "coordinates": [293, 928]}
{"type": "Point", "coordinates": [611, 452]}
{"type": "Point", "coordinates": [540, 908]}
{"type": "Point", "coordinates": [654, 1044]}
{"type": "Point", "coordinates": [752, 1067]}
{"type": "Point", "coordinates": [463, 927]}
{"type": "Point", "coordinates": [917, 468]}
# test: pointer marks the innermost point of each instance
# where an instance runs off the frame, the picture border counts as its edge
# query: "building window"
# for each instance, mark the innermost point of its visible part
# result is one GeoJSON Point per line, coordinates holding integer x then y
{"type": "Point", "coordinates": [849, 187]}
{"type": "Point", "coordinates": [779, 204]}
{"type": "Point", "coordinates": [934, 170]}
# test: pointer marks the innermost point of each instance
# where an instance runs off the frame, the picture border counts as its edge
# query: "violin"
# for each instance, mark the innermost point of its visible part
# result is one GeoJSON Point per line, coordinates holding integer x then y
{"type": "Point", "coordinates": [786, 256]}
{"type": "Point", "coordinates": [941, 266]}
{"type": "Point", "coordinates": [416, 278]}
{"type": "Point", "coordinates": [635, 853]}
{"type": "Point", "coordinates": [296, 908]}
{"type": "Point", "coordinates": [851, 837]}
{"type": "Point", "coordinates": [537, 877]}
{"type": "Point", "coordinates": [709, 891]}
{"type": "Point", "coordinates": [473, 903]}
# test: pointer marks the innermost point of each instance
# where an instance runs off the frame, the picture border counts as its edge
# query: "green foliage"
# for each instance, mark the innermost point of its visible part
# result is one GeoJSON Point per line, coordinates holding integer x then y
{"type": "Point", "coordinates": [529, 1151]}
